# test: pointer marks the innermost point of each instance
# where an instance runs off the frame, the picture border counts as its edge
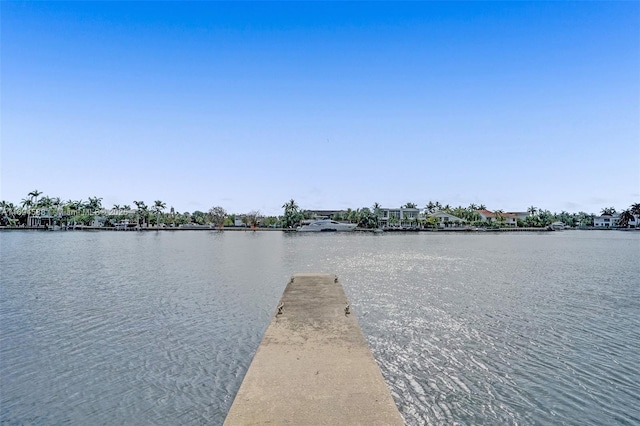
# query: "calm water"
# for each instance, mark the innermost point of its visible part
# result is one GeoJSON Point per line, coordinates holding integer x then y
{"type": "Point", "coordinates": [159, 328]}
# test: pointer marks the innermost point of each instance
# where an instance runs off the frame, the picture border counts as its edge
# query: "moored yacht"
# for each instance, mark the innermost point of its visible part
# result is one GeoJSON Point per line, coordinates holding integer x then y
{"type": "Point", "coordinates": [557, 226]}
{"type": "Point", "coordinates": [327, 225]}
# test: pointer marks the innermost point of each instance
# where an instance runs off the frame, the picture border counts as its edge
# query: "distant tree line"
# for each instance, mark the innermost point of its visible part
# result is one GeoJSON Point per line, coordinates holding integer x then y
{"type": "Point", "coordinates": [79, 212]}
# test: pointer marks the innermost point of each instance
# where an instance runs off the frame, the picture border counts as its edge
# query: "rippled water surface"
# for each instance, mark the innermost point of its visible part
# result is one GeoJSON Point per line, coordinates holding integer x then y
{"type": "Point", "coordinates": [160, 327]}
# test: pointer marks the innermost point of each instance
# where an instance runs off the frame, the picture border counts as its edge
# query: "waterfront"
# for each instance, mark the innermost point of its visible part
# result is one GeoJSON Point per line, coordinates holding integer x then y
{"type": "Point", "coordinates": [159, 328]}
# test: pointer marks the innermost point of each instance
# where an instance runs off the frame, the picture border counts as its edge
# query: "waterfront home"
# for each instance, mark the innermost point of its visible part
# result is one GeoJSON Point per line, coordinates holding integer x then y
{"type": "Point", "coordinates": [446, 220]}
{"type": "Point", "coordinates": [520, 215]}
{"type": "Point", "coordinates": [402, 217]}
{"type": "Point", "coordinates": [43, 217]}
{"type": "Point", "coordinates": [611, 221]}
{"type": "Point", "coordinates": [606, 221]}
{"type": "Point", "coordinates": [510, 219]}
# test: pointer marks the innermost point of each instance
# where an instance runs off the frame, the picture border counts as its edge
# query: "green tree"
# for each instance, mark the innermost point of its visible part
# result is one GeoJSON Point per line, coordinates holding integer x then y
{"type": "Point", "coordinates": [430, 207]}
{"type": "Point", "coordinates": [499, 217]}
{"type": "Point", "coordinates": [584, 219]}
{"type": "Point", "coordinates": [142, 212]}
{"type": "Point", "coordinates": [352, 215]}
{"type": "Point", "coordinates": [431, 222]}
{"type": "Point", "coordinates": [158, 208]}
{"type": "Point", "coordinates": [377, 209]}
{"type": "Point", "coordinates": [609, 211]}
{"type": "Point", "coordinates": [625, 217]}
{"type": "Point", "coordinates": [27, 204]}
{"type": "Point", "coordinates": [218, 215]}
{"type": "Point", "coordinates": [270, 221]}
{"type": "Point", "coordinates": [368, 219]}
{"type": "Point", "coordinates": [4, 213]}
{"type": "Point", "coordinates": [291, 215]}
{"type": "Point", "coordinates": [393, 220]}
{"type": "Point", "coordinates": [34, 194]}
{"type": "Point", "coordinates": [95, 204]}
{"type": "Point", "coordinates": [545, 218]}
{"type": "Point", "coordinates": [198, 217]}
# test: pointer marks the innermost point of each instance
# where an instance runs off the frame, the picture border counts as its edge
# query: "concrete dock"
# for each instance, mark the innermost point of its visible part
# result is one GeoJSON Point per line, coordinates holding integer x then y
{"type": "Point", "coordinates": [313, 366]}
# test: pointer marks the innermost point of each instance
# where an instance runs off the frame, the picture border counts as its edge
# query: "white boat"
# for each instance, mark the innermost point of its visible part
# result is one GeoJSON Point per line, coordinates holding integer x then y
{"type": "Point", "coordinates": [327, 225]}
{"type": "Point", "coordinates": [557, 226]}
{"type": "Point", "coordinates": [123, 224]}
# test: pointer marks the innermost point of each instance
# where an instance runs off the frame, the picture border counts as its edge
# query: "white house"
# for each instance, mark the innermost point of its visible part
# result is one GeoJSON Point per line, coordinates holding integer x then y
{"type": "Point", "coordinates": [606, 221]}
{"type": "Point", "coordinates": [520, 215]}
{"type": "Point", "coordinates": [398, 217]}
{"type": "Point", "coordinates": [446, 220]}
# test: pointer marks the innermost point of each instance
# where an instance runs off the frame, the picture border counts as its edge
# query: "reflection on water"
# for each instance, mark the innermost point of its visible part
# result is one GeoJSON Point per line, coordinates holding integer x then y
{"type": "Point", "coordinates": [159, 328]}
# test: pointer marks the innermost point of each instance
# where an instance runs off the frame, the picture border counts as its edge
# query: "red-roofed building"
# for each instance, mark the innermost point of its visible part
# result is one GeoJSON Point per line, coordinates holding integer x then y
{"type": "Point", "coordinates": [509, 219]}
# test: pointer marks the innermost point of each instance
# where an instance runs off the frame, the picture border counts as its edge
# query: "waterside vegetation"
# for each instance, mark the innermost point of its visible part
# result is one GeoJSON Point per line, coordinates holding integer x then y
{"type": "Point", "coordinates": [38, 211]}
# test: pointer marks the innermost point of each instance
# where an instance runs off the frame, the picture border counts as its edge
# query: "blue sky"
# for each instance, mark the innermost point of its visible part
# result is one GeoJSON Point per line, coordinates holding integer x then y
{"type": "Point", "coordinates": [336, 105]}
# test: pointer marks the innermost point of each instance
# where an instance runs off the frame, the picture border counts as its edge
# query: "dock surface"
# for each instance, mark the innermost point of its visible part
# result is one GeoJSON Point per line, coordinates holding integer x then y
{"type": "Point", "coordinates": [313, 366]}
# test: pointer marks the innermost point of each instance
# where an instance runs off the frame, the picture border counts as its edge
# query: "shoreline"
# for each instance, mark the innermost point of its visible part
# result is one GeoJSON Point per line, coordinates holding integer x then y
{"type": "Point", "coordinates": [357, 230]}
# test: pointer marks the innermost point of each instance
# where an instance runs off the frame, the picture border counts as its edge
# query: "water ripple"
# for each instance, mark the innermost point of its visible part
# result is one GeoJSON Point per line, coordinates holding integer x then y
{"type": "Point", "coordinates": [160, 328]}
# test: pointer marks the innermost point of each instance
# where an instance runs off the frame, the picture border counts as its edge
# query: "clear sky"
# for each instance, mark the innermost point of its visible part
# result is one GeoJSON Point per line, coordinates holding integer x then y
{"type": "Point", "coordinates": [336, 105]}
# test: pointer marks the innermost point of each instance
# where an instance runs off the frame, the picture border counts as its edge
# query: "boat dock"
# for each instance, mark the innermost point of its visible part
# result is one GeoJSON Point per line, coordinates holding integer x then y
{"type": "Point", "coordinates": [314, 366]}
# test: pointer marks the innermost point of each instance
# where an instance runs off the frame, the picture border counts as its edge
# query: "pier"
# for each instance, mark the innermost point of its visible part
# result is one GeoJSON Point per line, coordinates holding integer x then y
{"type": "Point", "coordinates": [313, 366]}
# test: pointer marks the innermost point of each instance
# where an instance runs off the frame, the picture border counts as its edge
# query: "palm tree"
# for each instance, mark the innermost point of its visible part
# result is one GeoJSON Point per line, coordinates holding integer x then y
{"type": "Point", "coordinates": [393, 220]}
{"type": "Point", "coordinates": [625, 217]}
{"type": "Point", "coordinates": [409, 206]}
{"type": "Point", "coordinates": [142, 211]}
{"type": "Point", "coordinates": [45, 202]}
{"type": "Point", "coordinates": [532, 210]}
{"type": "Point", "coordinates": [158, 207]}
{"type": "Point", "coordinates": [35, 194]}
{"type": "Point", "coordinates": [377, 211]}
{"type": "Point", "coordinates": [27, 203]}
{"type": "Point", "coordinates": [291, 214]}
{"type": "Point", "coordinates": [635, 209]}
{"type": "Point", "coordinates": [608, 211]}
{"type": "Point", "coordinates": [95, 204]}
{"type": "Point", "coordinates": [368, 219]}
{"type": "Point", "coordinates": [291, 204]}
{"type": "Point", "coordinates": [56, 204]}
{"type": "Point", "coordinates": [544, 217]}
{"type": "Point", "coordinates": [430, 207]}
{"type": "Point", "coordinates": [44, 209]}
